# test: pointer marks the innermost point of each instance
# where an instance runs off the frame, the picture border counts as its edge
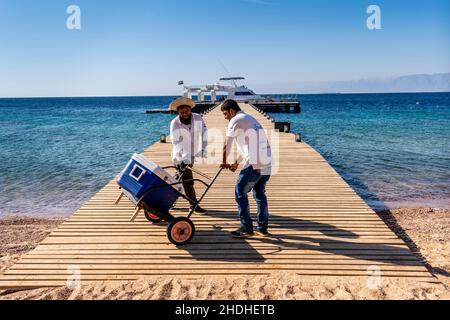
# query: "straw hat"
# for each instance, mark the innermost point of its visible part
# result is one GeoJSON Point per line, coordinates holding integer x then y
{"type": "Point", "coordinates": [183, 101]}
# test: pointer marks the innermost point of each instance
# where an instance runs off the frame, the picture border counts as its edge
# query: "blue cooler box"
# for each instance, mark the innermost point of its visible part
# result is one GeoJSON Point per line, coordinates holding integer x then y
{"type": "Point", "coordinates": [140, 175]}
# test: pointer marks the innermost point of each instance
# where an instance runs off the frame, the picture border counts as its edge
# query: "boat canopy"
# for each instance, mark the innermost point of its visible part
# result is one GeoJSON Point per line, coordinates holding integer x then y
{"type": "Point", "coordinates": [232, 78]}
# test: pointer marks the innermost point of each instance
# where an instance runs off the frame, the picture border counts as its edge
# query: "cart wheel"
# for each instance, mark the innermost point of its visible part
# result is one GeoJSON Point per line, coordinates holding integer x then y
{"type": "Point", "coordinates": [152, 217]}
{"type": "Point", "coordinates": [180, 231]}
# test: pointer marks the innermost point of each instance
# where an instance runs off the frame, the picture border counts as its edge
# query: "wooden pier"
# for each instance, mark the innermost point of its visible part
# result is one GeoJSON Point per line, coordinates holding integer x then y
{"type": "Point", "coordinates": [271, 106]}
{"type": "Point", "coordinates": [278, 106]}
{"type": "Point", "coordinates": [200, 107]}
{"type": "Point", "coordinates": [320, 227]}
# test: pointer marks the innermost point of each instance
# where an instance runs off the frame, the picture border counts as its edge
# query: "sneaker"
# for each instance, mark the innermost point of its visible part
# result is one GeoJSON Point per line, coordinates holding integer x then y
{"type": "Point", "coordinates": [241, 233]}
{"type": "Point", "coordinates": [262, 233]}
{"type": "Point", "coordinates": [200, 211]}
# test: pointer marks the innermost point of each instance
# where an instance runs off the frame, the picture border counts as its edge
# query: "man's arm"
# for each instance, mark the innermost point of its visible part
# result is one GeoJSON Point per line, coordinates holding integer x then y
{"type": "Point", "coordinates": [204, 139]}
{"type": "Point", "coordinates": [224, 164]}
{"type": "Point", "coordinates": [226, 153]}
{"type": "Point", "coordinates": [174, 137]}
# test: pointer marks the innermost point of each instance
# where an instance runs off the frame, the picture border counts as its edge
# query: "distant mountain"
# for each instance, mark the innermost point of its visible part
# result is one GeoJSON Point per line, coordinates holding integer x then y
{"type": "Point", "coordinates": [411, 83]}
{"type": "Point", "coordinates": [439, 82]}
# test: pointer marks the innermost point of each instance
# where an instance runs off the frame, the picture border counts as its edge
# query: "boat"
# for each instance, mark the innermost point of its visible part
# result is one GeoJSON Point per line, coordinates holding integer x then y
{"type": "Point", "coordinates": [209, 95]}
{"type": "Point", "coordinates": [240, 93]}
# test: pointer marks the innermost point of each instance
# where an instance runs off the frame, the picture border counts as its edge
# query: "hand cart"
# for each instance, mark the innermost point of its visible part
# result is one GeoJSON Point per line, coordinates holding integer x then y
{"type": "Point", "coordinates": [155, 191]}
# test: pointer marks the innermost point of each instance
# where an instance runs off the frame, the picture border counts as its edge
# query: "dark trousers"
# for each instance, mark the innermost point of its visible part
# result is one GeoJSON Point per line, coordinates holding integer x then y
{"type": "Point", "coordinates": [188, 185]}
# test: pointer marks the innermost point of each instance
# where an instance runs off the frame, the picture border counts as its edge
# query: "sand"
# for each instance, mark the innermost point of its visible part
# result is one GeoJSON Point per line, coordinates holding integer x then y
{"type": "Point", "coordinates": [19, 235]}
{"type": "Point", "coordinates": [277, 286]}
{"type": "Point", "coordinates": [427, 234]}
{"type": "Point", "coordinates": [426, 231]}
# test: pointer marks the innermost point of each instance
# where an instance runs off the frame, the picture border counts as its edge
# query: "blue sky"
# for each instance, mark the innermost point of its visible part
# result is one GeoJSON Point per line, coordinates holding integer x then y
{"type": "Point", "coordinates": [144, 47]}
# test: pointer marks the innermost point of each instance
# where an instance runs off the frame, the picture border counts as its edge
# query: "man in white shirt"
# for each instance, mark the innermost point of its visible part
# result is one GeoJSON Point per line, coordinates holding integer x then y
{"type": "Point", "coordinates": [189, 137]}
{"type": "Point", "coordinates": [256, 157]}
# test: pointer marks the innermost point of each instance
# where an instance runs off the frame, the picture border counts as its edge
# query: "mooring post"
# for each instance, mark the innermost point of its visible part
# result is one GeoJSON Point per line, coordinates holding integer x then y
{"type": "Point", "coordinates": [282, 126]}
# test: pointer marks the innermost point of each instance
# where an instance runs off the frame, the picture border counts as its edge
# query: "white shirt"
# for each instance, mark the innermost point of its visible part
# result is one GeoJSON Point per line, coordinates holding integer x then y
{"type": "Point", "coordinates": [251, 141]}
{"type": "Point", "coordinates": [189, 141]}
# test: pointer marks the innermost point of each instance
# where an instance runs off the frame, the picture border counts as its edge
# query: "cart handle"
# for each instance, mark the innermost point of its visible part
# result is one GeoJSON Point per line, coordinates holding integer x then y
{"type": "Point", "coordinates": [195, 203]}
{"type": "Point", "coordinates": [205, 192]}
{"type": "Point", "coordinates": [190, 168]}
{"type": "Point", "coordinates": [173, 184]}
{"type": "Point", "coordinates": [199, 173]}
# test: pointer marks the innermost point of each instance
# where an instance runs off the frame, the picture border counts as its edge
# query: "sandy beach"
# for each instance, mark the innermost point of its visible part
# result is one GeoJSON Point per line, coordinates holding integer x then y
{"type": "Point", "coordinates": [19, 235]}
{"type": "Point", "coordinates": [426, 231]}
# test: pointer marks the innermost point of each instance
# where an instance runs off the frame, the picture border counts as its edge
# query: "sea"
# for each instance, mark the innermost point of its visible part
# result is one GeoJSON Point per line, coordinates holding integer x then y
{"type": "Point", "coordinates": [56, 153]}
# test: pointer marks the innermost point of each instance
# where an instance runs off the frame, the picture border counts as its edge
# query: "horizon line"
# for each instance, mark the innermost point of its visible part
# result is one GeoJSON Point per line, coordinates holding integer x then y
{"type": "Point", "coordinates": [266, 94]}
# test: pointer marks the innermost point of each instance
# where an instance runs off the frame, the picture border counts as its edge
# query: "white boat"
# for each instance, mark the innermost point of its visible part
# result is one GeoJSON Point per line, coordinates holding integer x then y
{"type": "Point", "coordinates": [234, 91]}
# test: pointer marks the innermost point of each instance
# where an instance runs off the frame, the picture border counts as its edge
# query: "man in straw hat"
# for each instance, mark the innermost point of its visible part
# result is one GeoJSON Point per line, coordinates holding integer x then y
{"type": "Point", "coordinates": [188, 133]}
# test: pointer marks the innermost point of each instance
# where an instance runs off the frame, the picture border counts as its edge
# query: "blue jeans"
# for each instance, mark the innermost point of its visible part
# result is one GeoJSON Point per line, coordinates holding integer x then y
{"type": "Point", "coordinates": [250, 179]}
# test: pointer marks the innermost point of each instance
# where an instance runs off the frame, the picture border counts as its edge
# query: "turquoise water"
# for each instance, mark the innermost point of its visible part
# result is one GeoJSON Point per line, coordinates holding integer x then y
{"type": "Point", "coordinates": [393, 149]}
{"type": "Point", "coordinates": [55, 154]}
